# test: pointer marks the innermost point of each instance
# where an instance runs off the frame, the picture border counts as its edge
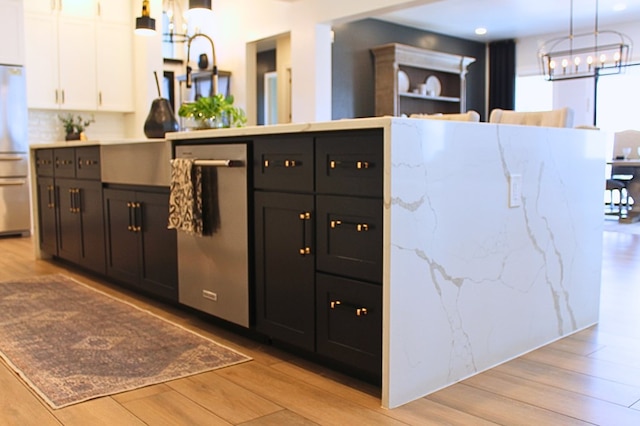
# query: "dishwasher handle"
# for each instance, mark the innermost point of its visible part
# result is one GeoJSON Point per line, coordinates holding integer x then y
{"type": "Point", "coordinates": [219, 163]}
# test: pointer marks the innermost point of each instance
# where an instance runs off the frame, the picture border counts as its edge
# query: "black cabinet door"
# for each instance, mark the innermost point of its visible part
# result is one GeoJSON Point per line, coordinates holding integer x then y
{"type": "Point", "coordinates": [159, 246]}
{"type": "Point", "coordinates": [89, 203]}
{"type": "Point", "coordinates": [122, 238]}
{"type": "Point", "coordinates": [285, 267]}
{"type": "Point", "coordinates": [47, 202]}
{"type": "Point", "coordinates": [81, 223]}
{"type": "Point", "coordinates": [69, 238]}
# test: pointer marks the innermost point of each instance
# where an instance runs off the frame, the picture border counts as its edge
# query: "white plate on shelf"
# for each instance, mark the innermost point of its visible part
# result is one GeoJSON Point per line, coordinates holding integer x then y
{"type": "Point", "coordinates": [434, 88]}
{"type": "Point", "coordinates": [403, 82]}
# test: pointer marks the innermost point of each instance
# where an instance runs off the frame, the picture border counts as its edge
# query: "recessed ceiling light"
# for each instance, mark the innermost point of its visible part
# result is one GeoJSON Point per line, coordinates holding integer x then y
{"type": "Point", "coordinates": [481, 31]}
{"type": "Point", "coordinates": [619, 7]}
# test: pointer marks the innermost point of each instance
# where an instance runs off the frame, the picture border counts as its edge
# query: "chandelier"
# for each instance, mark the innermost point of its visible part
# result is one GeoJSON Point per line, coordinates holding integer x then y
{"type": "Point", "coordinates": [584, 55]}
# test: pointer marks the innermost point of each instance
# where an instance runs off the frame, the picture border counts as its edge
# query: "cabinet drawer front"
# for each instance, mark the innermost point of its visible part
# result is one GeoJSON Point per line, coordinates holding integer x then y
{"type": "Point", "coordinates": [284, 163]}
{"type": "Point", "coordinates": [64, 162]}
{"type": "Point", "coordinates": [44, 162]}
{"type": "Point", "coordinates": [350, 163]}
{"type": "Point", "coordinates": [349, 322]}
{"type": "Point", "coordinates": [349, 237]}
{"type": "Point", "coordinates": [88, 162]}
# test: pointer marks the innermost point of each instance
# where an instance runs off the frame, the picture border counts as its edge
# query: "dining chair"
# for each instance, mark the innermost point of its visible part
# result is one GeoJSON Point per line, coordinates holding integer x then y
{"type": "Point", "coordinates": [562, 117]}
{"type": "Point", "coordinates": [470, 115]}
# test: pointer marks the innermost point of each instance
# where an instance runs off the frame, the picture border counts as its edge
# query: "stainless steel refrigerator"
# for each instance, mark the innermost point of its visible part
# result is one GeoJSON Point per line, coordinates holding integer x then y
{"type": "Point", "coordinates": [14, 188]}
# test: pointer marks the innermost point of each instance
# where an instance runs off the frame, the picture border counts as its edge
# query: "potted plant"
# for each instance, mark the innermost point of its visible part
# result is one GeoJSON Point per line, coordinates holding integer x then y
{"type": "Point", "coordinates": [74, 126]}
{"type": "Point", "coordinates": [213, 112]}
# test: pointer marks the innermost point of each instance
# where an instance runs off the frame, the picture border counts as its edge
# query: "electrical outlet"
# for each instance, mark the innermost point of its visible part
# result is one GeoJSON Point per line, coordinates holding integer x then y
{"type": "Point", "coordinates": [515, 190]}
{"type": "Point", "coordinates": [210, 295]}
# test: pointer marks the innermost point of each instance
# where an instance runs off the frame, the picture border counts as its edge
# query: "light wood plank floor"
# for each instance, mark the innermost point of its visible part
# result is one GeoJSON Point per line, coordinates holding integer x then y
{"type": "Point", "coordinates": [592, 377]}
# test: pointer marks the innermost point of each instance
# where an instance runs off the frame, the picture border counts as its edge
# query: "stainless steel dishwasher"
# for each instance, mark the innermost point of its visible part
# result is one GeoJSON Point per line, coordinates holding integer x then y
{"type": "Point", "coordinates": [213, 270]}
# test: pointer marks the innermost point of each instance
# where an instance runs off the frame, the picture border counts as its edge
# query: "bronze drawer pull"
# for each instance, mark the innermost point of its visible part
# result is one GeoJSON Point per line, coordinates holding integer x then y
{"type": "Point", "coordinates": [358, 311]}
{"type": "Point", "coordinates": [289, 163]}
{"type": "Point", "coordinates": [305, 216]}
{"type": "Point", "coordinates": [305, 251]}
{"type": "Point", "coordinates": [334, 164]}
{"type": "Point", "coordinates": [360, 227]}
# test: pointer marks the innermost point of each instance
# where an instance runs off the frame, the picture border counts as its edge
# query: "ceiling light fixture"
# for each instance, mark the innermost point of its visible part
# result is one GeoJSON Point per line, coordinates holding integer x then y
{"type": "Point", "coordinates": [480, 31]}
{"type": "Point", "coordinates": [145, 24]}
{"type": "Point", "coordinates": [199, 4]}
{"type": "Point", "coordinates": [584, 55]}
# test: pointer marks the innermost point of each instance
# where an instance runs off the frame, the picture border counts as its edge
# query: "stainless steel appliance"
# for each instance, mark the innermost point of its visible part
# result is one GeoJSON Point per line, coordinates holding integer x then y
{"type": "Point", "coordinates": [213, 271]}
{"type": "Point", "coordinates": [14, 189]}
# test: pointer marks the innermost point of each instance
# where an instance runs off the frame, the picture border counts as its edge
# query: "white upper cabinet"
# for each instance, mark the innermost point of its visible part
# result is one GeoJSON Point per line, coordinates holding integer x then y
{"type": "Point", "coordinates": [79, 56]}
{"type": "Point", "coordinates": [115, 11]}
{"type": "Point", "coordinates": [76, 8]}
{"type": "Point", "coordinates": [114, 67]}
{"type": "Point", "coordinates": [11, 32]}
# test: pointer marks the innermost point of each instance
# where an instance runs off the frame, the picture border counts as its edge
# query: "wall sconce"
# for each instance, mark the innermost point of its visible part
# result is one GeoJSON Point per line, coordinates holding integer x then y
{"type": "Point", "coordinates": [199, 4]}
{"type": "Point", "coordinates": [145, 24]}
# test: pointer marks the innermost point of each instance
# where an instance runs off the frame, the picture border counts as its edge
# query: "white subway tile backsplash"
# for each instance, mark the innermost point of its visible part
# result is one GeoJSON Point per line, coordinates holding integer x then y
{"type": "Point", "coordinates": [45, 126]}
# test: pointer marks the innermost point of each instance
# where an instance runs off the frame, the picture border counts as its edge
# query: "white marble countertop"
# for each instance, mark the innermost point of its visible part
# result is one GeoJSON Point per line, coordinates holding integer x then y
{"type": "Point", "coordinates": [347, 124]}
{"type": "Point", "coordinates": [93, 142]}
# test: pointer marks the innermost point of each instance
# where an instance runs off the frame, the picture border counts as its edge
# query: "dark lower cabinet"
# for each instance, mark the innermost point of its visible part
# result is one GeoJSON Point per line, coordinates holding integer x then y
{"type": "Point", "coordinates": [141, 251]}
{"type": "Point", "coordinates": [349, 322]}
{"type": "Point", "coordinates": [47, 201]}
{"type": "Point", "coordinates": [285, 267]}
{"type": "Point", "coordinates": [318, 245]}
{"type": "Point", "coordinates": [81, 223]}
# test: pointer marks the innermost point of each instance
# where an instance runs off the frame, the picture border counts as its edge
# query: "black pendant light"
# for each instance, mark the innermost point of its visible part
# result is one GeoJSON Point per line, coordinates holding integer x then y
{"type": "Point", "coordinates": [199, 4]}
{"type": "Point", "coordinates": [145, 24]}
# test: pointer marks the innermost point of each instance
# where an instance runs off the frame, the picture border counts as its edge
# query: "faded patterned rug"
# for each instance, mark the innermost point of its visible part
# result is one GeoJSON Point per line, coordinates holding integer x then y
{"type": "Point", "coordinates": [72, 343]}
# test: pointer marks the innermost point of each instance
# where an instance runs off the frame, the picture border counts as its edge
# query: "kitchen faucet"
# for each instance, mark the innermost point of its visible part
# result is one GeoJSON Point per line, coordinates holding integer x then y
{"type": "Point", "coordinates": [214, 76]}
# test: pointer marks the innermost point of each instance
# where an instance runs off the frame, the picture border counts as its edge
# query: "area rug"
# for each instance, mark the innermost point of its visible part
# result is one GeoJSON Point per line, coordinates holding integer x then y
{"type": "Point", "coordinates": [72, 343]}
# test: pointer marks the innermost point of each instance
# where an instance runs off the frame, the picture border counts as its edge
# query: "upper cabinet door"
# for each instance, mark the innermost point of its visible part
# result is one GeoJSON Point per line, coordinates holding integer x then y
{"type": "Point", "coordinates": [12, 32]}
{"type": "Point", "coordinates": [114, 70]}
{"type": "Point", "coordinates": [41, 6]}
{"type": "Point", "coordinates": [115, 11]}
{"type": "Point", "coordinates": [41, 61]}
{"type": "Point", "coordinates": [76, 8]}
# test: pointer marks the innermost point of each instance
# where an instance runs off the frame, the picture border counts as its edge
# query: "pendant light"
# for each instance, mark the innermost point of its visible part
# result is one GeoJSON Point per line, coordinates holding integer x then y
{"type": "Point", "coordinates": [600, 52]}
{"type": "Point", "coordinates": [199, 4]}
{"type": "Point", "coordinates": [145, 24]}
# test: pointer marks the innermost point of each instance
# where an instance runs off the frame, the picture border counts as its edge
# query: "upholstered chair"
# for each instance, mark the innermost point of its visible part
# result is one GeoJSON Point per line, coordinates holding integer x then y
{"type": "Point", "coordinates": [470, 115]}
{"type": "Point", "coordinates": [562, 117]}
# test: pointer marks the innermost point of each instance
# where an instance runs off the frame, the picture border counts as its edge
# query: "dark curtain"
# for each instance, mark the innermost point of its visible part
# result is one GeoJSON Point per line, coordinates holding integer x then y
{"type": "Point", "coordinates": [502, 74]}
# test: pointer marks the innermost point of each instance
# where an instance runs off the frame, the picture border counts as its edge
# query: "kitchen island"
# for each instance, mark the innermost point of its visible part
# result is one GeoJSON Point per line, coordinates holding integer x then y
{"type": "Point", "coordinates": [461, 245]}
{"type": "Point", "coordinates": [491, 241]}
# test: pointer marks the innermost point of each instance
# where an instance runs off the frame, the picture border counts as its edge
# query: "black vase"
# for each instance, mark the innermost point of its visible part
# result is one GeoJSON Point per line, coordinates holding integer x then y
{"type": "Point", "coordinates": [160, 119]}
{"type": "Point", "coordinates": [203, 61]}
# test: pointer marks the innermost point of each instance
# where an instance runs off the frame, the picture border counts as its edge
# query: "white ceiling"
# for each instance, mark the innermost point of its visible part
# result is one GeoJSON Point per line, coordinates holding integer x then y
{"type": "Point", "coordinates": [514, 18]}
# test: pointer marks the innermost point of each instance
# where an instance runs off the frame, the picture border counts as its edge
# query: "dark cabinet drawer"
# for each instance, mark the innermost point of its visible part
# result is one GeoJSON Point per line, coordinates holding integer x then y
{"type": "Point", "coordinates": [350, 163]}
{"type": "Point", "coordinates": [349, 236]}
{"type": "Point", "coordinates": [88, 162]}
{"type": "Point", "coordinates": [284, 163]}
{"type": "Point", "coordinates": [44, 162]}
{"type": "Point", "coordinates": [64, 162]}
{"type": "Point", "coordinates": [349, 322]}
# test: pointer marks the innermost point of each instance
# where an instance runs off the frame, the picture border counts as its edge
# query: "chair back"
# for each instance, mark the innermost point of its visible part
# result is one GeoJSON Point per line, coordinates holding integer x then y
{"type": "Point", "coordinates": [626, 139]}
{"type": "Point", "coordinates": [562, 117]}
{"type": "Point", "coordinates": [470, 115]}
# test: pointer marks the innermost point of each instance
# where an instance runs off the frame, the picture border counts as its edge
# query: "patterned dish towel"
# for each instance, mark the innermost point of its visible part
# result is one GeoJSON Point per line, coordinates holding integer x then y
{"type": "Point", "coordinates": [185, 199]}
